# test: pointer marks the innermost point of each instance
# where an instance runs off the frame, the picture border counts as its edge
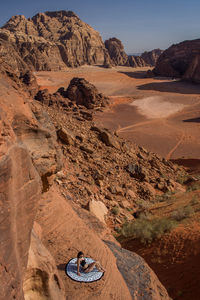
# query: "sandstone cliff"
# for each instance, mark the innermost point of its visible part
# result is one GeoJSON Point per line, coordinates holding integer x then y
{"type": "Point", "coordinates": [180, 60]}
{"type": "Point", "coordinates": [51, 41]}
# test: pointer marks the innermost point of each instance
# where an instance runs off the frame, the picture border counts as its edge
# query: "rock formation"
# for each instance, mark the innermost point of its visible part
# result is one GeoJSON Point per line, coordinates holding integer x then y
{"type": "Point", "coordinates": [136, 61]}
{"type": "Point", "coordinates": [151, 57]}
{"type": "Point", "coordinates": [84, 93]}
{"type": "Point", "coordinates": [180, 60]}
{"type": "Point", "coordinates": [116, 51]}
{"type": "Point", "coordinates": [120, 58]}
{"type": "Point", "coordinates": [51, 41]}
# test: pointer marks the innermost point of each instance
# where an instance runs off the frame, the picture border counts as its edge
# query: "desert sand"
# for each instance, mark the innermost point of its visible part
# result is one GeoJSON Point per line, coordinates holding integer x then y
{"type": "Point", "coordinates": [161, 114]}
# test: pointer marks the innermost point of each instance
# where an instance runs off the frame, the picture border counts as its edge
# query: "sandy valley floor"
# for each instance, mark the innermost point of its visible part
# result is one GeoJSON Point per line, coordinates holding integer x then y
{"type": "Point", "coordinates": [160, 114]}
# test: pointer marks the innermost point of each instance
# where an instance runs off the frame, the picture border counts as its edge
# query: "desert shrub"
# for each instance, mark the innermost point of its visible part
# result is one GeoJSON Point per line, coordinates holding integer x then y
{"type": "Point", "coordinates": [115, 210]}
{"type": "Point", "coordinates": [142, 204]}
{"type": "Point", "coordinates": [147, 230]}
{"type": "Point", "coordinates": [195, 186]}
{"type": "Point", "coordinates": [165, 197]}
{"type": "Point", "coordinates": [182, 213]}
{"type": "Point", "coordinates": [182, 178]}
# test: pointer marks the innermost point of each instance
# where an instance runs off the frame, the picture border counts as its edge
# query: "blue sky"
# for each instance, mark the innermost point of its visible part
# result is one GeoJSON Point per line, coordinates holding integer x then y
{"type": "Point", "coordinates": [140, 24]}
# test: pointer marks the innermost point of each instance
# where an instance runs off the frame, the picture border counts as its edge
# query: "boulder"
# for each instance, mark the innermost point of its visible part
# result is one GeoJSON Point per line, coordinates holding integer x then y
{"type": "Point", "coordinates": [136, 171]}
{"type": "Point", "coordinates": [99, 209]}
{"type": "Point", "coordinates": [66, 136]}
{"type": "Point", "coordinates": [109, 139]}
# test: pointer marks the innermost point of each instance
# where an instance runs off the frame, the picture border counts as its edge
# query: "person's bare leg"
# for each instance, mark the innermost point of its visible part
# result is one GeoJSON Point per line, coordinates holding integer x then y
{"type": "Point", "coordinates": [92, 265]}
{"type": "Point", "coordinates": [99, 267]}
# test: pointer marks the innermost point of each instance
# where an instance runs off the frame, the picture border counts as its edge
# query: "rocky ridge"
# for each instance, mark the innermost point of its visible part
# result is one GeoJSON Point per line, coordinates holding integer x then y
{"type": "Point", "coordinates": [68, 169]}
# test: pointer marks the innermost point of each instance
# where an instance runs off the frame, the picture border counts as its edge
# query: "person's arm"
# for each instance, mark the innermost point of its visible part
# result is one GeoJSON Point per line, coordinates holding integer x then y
{"type": "Point", "coordinates": [78, 266]}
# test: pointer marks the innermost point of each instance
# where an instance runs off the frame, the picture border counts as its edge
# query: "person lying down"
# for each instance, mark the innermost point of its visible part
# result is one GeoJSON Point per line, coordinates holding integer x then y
{"type": "Point", "coordinates": [87, 267]}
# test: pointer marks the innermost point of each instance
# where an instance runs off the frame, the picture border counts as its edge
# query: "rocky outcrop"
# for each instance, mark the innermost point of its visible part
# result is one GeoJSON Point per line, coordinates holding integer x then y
{"type": "Point", "coordinates": [84, 93]}
{"type": "Point", "coordinates": [151, 57]}
{"type": "Point", "coordinates": [116, 51]}
{"type": "Point", "coordinates": [51, 41]}
{"type": "Point", "coordinates": [180, 60]}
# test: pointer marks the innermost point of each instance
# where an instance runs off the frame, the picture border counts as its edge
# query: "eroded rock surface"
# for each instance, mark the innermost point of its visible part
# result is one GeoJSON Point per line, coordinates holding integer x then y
{"type": "Point", "coordinates": [51, 41]}
{"type": "Point", "coordinates": [41, 279]}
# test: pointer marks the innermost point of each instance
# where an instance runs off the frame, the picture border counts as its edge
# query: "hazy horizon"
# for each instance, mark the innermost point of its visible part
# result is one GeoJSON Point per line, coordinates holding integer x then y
{"type": "Point", "coordinates": [139, 25]}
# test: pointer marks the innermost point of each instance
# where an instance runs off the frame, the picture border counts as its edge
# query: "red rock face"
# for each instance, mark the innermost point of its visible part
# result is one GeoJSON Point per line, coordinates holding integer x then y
{"type": "Point", "coordinates": [20, 190]}
{"type": "Point", "coordinates": [52, 41]}
{"type": "Point", "coordinates": [177, 59]}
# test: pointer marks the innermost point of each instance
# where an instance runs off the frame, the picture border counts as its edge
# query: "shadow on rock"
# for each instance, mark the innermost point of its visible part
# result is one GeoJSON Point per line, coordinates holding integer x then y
{"type": "Point", "coordinates": [61, 267]}
{"type": "Point", "coordinates": [194, 120]}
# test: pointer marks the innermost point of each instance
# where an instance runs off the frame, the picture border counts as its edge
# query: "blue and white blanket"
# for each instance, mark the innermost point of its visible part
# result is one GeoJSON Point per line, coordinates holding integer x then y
{"type": "Point", "coordinates": [71, 271]}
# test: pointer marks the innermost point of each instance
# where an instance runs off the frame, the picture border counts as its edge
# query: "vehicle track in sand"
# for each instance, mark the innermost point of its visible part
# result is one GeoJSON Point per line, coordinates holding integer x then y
{"type": "Point", "coordinates": [169, 155]}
